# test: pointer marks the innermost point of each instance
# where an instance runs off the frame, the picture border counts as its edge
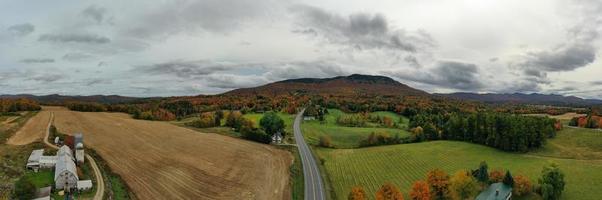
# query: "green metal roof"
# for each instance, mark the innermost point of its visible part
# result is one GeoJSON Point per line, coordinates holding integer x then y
{"type": "Point", "coordinates": [490, 193]}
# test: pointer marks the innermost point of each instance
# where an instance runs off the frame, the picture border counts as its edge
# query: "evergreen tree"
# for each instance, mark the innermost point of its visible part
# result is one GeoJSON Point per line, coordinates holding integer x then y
{"type": "Point", "coordinates": [508, 180]}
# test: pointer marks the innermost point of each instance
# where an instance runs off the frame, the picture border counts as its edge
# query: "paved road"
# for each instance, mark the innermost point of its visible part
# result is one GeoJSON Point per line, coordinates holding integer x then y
{"type": "Point", "coordinates": [100, 190]}
{"type": "Point", "coordinates": [314, 189]}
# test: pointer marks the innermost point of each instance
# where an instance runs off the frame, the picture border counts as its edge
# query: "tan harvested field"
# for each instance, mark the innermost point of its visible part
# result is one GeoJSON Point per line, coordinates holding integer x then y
{"type": "Point", "coordinates": [34, 129]}
{"type": "Point", "coordinates": [163, 161]}
{"type": "Point", "coordinates": [565, 116]}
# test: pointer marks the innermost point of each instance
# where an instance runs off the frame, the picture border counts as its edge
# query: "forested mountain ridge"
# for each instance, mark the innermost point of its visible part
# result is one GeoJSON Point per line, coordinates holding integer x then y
{"type": "Point", "coordinates": [351, 85]}
{"type": "Point", "coordinates": [520, 98]}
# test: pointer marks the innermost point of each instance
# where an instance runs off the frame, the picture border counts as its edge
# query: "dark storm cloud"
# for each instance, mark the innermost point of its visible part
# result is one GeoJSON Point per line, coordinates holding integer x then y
{"type": "Point", "coordinates": [209, 15]}
{"type": "Point", "coordinates": [95, 13]}
{"type": "Point", "coordinates": [75, 38]}
{"type": "Point", "coordinates": [185, 69]}
{"type": "Point", "coordinates": [359, 30]}
{"type": "Point", "coordinates": [37, 60]}
{"type": "Point", "coordinates": [412, 60]}
{"type": "Point", "coordinates": [448, 74]}
{"type": "Point", "coordinates": [21, 29]}
{"type": "Point", "coordinates": [566, 58]}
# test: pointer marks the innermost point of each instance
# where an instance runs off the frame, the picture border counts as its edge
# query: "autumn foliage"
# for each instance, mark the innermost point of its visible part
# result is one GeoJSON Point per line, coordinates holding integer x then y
{"type": "Point", "coordinates": [388, 192]}
{"type": "Point", "coordinates": [357, 193]}
{"type": "Point", "coordinates": [438, 181]}
{"type": "Point", "coordinates": [15, 105]}
{"type": "Point", "coordinates": [496, 176]}
{"type": "Point", "coordinates": [420, 191]}
{"type": "Point", "coordinates": [522, 185]}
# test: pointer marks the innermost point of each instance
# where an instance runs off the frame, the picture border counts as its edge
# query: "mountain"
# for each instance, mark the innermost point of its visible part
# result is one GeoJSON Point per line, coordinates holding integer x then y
{"type": "Point", "coordinates": [520, 98]}
{"type": "Point", "coordinates": [352, 85]}
{"type": "Point", "coordinates": [60, 99]}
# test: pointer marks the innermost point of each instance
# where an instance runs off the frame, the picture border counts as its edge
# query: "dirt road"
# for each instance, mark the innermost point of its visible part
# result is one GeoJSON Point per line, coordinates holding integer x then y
{"type": "Point", "coordinates": [162, 161]}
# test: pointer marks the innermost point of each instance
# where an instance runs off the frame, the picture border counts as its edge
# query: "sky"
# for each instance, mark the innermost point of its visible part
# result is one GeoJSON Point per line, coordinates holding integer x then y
{"type": "Point", "coordinates": [189, 47]}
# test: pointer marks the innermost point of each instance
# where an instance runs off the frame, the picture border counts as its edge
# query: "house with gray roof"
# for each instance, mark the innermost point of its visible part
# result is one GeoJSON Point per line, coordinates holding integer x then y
{"type": "Point", "coordinates": [496, 191]}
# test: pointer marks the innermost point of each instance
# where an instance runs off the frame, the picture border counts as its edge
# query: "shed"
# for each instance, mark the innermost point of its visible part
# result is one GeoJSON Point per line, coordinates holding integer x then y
{"type": "Point", "coordinates": [277, 138]}
{"type": "Point", "coordinates": [33, 162]}
{"type": "Point", "coordinates": [43, 193]}
{"type": "Point", "coordinates": [496, 191]}
{"type": "Point", "coordinates": [84, 185]}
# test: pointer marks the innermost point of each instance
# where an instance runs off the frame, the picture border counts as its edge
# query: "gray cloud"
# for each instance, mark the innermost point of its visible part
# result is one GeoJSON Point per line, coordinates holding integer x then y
{"type": "Point", "coordinates": [448, 74]}
{"type": "Point", "coordinates": [230, 81]}
{"type": "Point", "coordinates": [37, 60]}
{"type": "Point", "coordinates": [359, 30]}
{"type": "Point", "coordinates": [75, 38]}
{"type": "Point", "coordinates": [47, 78]}
{"type": "Point", "coordinates": [185, 69]}
{"type": "Point", "coordinates": [304, 69]}
{"type": "Point", "coordinates": [96, 81]}
{"type": "Point", "coordinates": [565, 58]}
{"type": "Point", "coordinates": [21, 29]}
{"type": "Point", "coordinates": [193, 15]}
{"type": "Point", "coordinates": [77, 56]}
{"type": "Point", "coordinates": [95, 13]}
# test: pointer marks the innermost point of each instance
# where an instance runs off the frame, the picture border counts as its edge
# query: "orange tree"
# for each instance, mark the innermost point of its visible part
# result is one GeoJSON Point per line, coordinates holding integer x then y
{"type": "Point", "coordinates": [420, 191]}
{"type": "Point", "coordinates": [438, 181]}
{"type": "Point", "coordinates": [357, 193]}
{"type": "Point", "coordinates": [388, 192]}
{"type": "Point", "coordinates": [496, 176]}
{"type": "Point", "coordinates": [522, 185]}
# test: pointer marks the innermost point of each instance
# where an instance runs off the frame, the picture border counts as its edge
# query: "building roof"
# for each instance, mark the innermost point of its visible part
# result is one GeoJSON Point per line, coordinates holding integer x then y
{"type": "Point", "coordinates": [84, 184]}
{"type": "Point", "coordinates": [65, 150]}
{"type": "Point", "coordinates": [35, 155]}
{"type": "Point", "coordinates": [64, 163]}
{"type": "Point", "coordinates": [48, 159]}
{"type": "Point", "coordinates": [43, 192]}
{"type": "Point", "coordinates": [491, 193]}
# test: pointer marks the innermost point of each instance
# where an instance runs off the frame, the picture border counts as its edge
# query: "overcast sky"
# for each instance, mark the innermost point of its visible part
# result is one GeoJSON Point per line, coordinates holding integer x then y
{"type": "Point", "coordinates": [190, 47]}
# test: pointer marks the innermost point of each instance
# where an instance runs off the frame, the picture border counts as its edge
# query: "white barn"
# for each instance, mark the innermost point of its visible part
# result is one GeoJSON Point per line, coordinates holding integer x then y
{"type": "Point", "coordinates": [65, 173]}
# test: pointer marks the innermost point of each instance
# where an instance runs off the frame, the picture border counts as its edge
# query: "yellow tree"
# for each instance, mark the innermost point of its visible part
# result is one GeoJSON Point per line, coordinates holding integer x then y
{"type": "Point", "coordinates": [388, 192]}
{"type": "Point", "coordinates": [357, 193]}
{"type": "Point", "coordinates": [463, 185]}
{"type": "Point", "coordinates": [420, 191]}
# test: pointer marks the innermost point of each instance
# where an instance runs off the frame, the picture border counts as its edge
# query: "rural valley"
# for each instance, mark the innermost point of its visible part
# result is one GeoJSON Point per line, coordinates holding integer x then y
{"type": "Point", "coordinates": [300, 100]}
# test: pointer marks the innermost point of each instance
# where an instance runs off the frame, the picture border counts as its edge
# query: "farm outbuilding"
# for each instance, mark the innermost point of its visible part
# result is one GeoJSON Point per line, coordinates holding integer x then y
{"type": "Point", "coordinates": [65, 173]}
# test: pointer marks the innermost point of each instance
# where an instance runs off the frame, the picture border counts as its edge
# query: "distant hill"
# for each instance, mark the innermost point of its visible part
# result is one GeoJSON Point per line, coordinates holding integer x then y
{"type": "Point", "coordinates": [520, 98]}
{"type": "Point", "coordinates": [59, 99]}
{"type": "Point", "coordinates": [353, 85]}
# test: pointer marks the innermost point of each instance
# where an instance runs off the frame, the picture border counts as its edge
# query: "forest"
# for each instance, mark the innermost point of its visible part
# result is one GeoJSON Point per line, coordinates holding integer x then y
{"type": "Point", "coordinates": [503, 131]}
{"type": "Point", "coordinates": [16, 105]}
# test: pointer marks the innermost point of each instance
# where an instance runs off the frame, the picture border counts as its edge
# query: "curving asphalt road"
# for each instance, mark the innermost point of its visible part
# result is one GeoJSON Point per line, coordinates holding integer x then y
{"type": "Point", "coordinates": [314, 189]}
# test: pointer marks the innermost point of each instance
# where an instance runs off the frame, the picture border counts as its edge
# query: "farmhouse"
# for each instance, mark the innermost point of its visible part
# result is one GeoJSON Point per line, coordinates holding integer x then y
{"type": "Point", "coordinates": [496, 191]}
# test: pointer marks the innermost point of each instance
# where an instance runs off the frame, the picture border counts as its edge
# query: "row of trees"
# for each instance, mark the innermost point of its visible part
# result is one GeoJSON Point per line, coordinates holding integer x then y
{"type": "Point", "coordinates": [503, 131]}
{"type": "Point", "coordinates": [589, 121]}
{"type": "Point", "coordinates": [15, 105]}
{"type": "Point", "coordinates": [467, 184]}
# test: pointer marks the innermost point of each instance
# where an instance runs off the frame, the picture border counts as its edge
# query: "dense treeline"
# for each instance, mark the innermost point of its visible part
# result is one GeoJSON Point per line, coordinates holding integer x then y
{"type": "Point", "coordinates": [15, 105]}
{"type": "Point", "coordinates": [499, 130]}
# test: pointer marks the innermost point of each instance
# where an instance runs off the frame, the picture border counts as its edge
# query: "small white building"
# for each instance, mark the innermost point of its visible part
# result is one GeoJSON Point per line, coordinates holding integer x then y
{"type": "Point", "coordinates": [65, 173]}
{"type": "Point", "coordinates": [33, 162]}
{"type": "Point", "coordinates": [277, 138]}
{"type": "Point", "coordinates": [307, 118]}
{"type": "Point", "coordinates": [84, 185]}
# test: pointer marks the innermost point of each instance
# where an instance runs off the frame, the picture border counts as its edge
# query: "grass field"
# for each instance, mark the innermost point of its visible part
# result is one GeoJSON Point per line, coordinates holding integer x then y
{"type": "Point", "coordinates": [346, 137]}
{"type": "Point", "coordinates": [574, 143]}
{"type": "Point", "coordinates": [403, 164]}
